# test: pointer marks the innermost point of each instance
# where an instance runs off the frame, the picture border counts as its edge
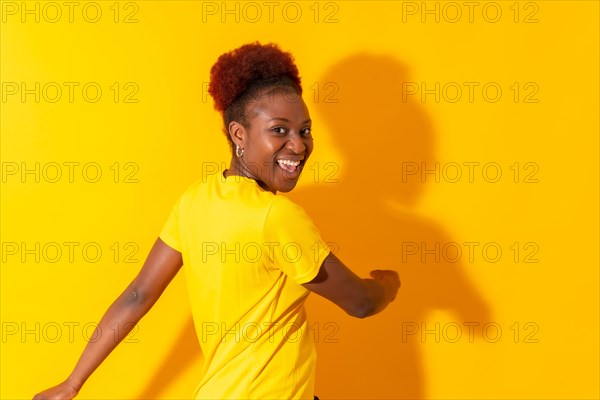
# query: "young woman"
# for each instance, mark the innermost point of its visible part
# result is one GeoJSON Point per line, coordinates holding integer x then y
{"type": "Point", "coordinates": [251, 256]}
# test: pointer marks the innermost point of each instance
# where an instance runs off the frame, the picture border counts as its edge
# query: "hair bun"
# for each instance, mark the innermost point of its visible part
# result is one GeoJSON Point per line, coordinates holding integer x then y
{"type": "Point", "coordinates": [236, 70]}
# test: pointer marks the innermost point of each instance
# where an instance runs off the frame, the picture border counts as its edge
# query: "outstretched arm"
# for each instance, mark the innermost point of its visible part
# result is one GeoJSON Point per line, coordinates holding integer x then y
{"type": "Point", "coordinates": [358, 297]}
{"type": "Point", "coordinates": [160, 267]}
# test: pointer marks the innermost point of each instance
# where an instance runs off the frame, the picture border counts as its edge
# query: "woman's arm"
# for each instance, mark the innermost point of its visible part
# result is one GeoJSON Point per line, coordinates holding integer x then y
{"type": "Point", "coordinates": [160, 267]}
{"type": "Point", "coordinates": [358, 297]}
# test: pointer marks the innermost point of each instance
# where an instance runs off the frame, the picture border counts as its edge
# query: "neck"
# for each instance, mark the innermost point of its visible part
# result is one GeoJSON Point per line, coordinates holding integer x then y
{"type": "Point", "coordinates": [237, 168]}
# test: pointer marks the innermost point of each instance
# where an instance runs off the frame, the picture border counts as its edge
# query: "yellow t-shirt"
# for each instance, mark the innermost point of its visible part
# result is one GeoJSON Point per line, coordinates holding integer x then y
{"type": "Point", "coordinates": [246, 253]}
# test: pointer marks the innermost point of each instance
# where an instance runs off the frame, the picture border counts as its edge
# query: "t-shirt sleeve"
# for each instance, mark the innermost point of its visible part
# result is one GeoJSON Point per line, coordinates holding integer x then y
{"type": "Point", "coordinates": [170, 230]}
{"type": "Point", "coordinates": [292, 241]}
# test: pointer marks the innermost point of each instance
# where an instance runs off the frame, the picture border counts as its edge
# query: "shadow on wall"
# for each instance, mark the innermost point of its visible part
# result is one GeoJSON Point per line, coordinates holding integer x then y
{"type": "Point", "coordinates": [369, 216]}
{"type": "Point", "coordinates": [375, 131]}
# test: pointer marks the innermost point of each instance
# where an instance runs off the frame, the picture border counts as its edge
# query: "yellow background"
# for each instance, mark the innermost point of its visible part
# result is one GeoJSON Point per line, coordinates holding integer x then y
{"type": "Point", "coordinates": [358, 61]}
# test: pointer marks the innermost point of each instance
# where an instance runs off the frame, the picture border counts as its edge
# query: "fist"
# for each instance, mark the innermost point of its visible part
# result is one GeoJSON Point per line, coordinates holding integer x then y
{"type": "Point", "coordinates": [389, 278]}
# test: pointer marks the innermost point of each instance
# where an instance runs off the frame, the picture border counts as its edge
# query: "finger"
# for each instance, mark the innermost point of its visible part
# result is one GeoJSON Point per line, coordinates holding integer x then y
{"type": "Point", "coordinates": [377, 275]}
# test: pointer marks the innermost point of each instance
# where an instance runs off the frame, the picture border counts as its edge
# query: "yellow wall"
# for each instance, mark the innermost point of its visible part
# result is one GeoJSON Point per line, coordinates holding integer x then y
{"type": "Point", "coordinates": [445, 132]}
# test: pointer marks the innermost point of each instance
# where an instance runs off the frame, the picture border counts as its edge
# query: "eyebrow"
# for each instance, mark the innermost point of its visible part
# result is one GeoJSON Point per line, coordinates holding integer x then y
{"type": "Point", "coordinates": [287, 120]}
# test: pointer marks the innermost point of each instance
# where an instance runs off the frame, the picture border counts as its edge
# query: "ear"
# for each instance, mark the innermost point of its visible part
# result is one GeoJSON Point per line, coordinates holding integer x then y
{"type": "Point", "coordinates": [237, 133]}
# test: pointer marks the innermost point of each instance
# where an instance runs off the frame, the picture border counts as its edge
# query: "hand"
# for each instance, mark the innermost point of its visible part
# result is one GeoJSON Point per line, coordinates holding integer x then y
{"type": "Point", "coordinates": [390, 279]}
{"type": "Point", "coordinates": [64, 391]}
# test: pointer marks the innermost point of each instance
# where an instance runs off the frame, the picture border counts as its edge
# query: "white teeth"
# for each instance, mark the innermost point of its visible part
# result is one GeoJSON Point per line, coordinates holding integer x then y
{"type": "Point", "coordinates": [288, 162]}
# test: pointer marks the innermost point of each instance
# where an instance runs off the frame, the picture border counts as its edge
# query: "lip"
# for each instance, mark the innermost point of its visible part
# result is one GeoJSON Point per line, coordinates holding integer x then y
{"type": "Point", "coordinates": [302, 160]}
{"type": "Point", "coordinates": [290, 158]}
{"type": "Point", "coordinates": [292, 176]}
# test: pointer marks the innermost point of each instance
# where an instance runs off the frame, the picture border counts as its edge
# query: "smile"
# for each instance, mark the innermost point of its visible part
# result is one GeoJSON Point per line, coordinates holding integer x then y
{"type": "Point", "coordinates": [287, 165]}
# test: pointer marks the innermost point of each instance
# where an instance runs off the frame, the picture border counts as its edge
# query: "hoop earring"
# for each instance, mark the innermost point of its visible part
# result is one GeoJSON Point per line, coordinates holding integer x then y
{"type": "Point", "coordinates": [238, 152]}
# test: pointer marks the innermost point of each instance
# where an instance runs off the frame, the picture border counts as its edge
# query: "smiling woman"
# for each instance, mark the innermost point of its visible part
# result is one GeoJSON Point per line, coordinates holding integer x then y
{"type": "Point", "coordinates": [251, 256]}
{"type": "Point", "coordinates": [258, 91]}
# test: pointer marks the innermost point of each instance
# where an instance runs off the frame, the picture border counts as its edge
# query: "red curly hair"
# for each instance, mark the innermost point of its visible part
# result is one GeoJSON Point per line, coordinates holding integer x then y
{"type": "Point", "coordinates": [239, 76]}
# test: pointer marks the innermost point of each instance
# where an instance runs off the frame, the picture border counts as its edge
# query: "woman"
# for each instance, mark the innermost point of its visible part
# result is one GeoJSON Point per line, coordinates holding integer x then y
{"type": "Point", "coordinates": [251, 256]}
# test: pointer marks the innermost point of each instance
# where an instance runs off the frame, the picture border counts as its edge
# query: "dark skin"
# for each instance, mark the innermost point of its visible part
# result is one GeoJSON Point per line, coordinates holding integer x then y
{"type": "Point", "coordinates": [279, 127]}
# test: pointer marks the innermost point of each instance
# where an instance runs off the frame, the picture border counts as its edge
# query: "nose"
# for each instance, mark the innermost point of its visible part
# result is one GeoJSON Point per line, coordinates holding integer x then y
{"type": "Point", "coordinates": [296, 144]}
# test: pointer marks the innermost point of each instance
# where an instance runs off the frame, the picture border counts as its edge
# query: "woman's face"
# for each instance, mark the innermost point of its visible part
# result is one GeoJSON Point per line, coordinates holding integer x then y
{"type": "Point", "coordinates": [277, 142]}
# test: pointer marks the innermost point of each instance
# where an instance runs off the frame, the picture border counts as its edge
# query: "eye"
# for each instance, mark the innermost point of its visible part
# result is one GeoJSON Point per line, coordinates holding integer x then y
{"type": "Point", "coordinates": [306, 131]}
{"type": "Point", "coordinates": [278, 129]}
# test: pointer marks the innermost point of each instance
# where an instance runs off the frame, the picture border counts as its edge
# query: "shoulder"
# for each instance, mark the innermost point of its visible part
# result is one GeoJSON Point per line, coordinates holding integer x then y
{"type": "Point", "coordinates": [285, 210]}
{"type": "Point", "coordinates": [200, 184]}
{"type": "Point", "coordinates": [280, 203]}
{"type": "Point", "coordinates": [190, 192]}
